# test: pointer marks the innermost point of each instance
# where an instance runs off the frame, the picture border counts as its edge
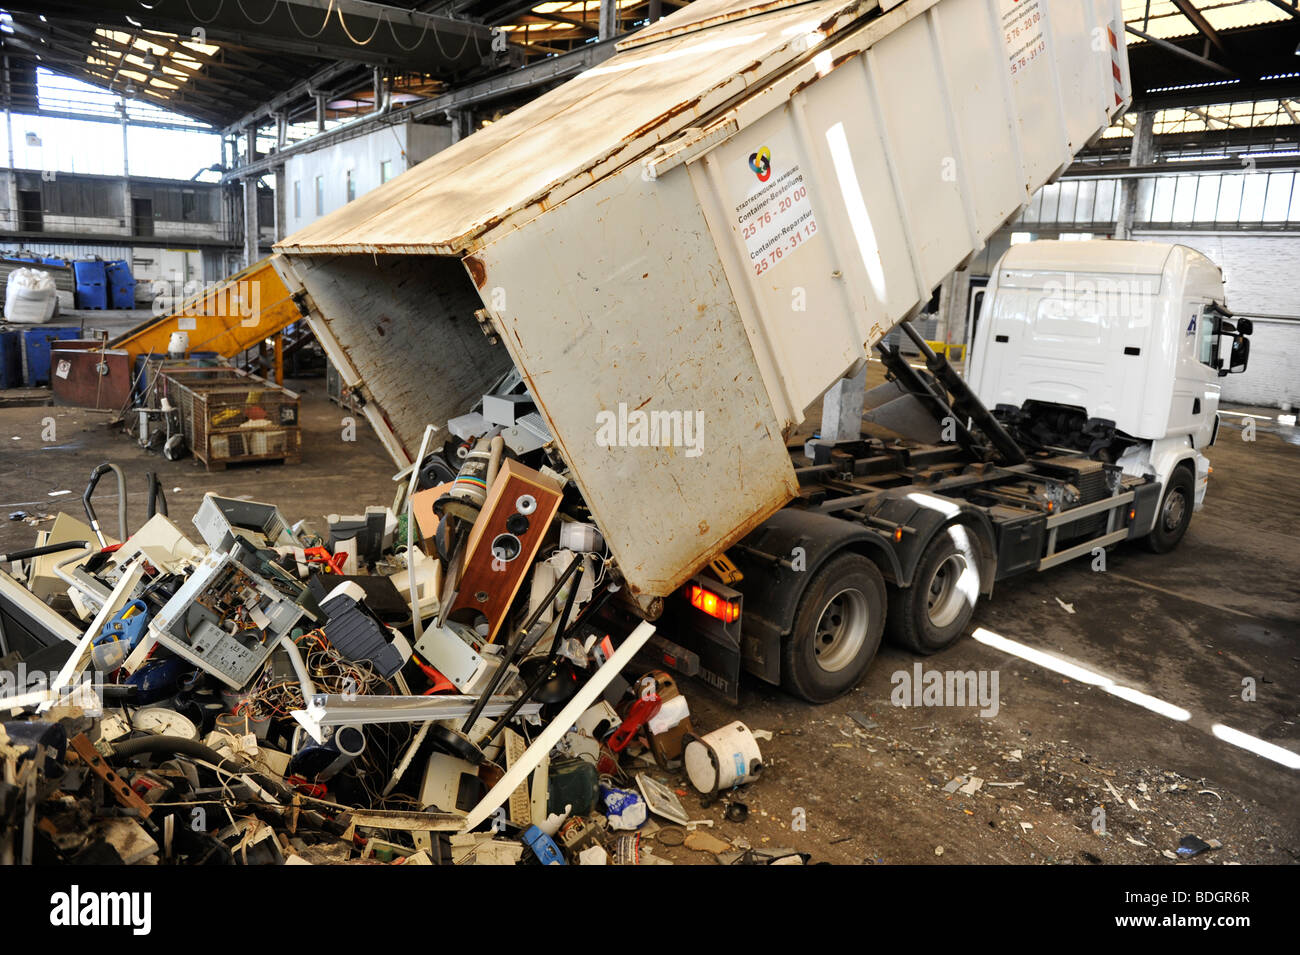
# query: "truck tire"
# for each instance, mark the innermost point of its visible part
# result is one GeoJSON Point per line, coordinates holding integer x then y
{"type": "Point", "coordinates": [1174, 515]}
{"type": "Point", "coordinates": [933, 613]}
{"type": "Point", "coordinates": [837, 629]}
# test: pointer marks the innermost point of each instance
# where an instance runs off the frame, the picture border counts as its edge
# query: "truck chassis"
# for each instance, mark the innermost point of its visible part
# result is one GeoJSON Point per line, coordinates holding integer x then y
{"type": "Point", "coordinates": [904, 537]}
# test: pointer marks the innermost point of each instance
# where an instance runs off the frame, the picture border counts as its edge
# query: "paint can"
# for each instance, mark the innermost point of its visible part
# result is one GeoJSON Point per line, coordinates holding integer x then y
{"type": "Point", "coordinates": [722, 759]}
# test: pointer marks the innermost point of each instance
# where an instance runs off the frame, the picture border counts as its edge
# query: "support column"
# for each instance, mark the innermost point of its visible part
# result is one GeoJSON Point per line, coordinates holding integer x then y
{"type": "Point", "coordinates": [462, 124]}
{"type": "Point", "coordinates": [1141, 154]}
{"type": "Point", "coordinates": [281, 203]}
{"type": "Point", "coordinates": [251, 224]}
{"type": "Point", "coordinates": [608, 19]}
{"type": "Point", "coordinates": [9, 120]}
{"type": "Point", "coordinates": [656, 10]}
{"type": "Point", "coordinates": [951, 321]}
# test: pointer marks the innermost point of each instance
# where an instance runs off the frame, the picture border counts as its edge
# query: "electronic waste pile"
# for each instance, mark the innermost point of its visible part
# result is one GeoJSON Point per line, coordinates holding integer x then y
{"type": "Point", "coordinates": [457, 678]}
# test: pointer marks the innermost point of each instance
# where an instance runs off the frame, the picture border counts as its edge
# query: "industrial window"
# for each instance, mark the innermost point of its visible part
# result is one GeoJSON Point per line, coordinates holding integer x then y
{"type": "Point", "coordinates": [320, 195]}
{"type": "Point", "coordinates": [385, 171]}
{"type": "Point", "coordinates": [351, 186]}
{"type": "Point", "coordinates": [189, 207]}
{"type": "Point", "coordinates": [297, 199]}
{"type": "Point", "coordinates": [1232, 198]}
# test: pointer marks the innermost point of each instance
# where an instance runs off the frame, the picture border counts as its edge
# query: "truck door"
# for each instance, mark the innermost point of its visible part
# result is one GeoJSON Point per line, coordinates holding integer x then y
{"type": "Point", "coordinates": [974, 303]}
{"type": "Point", "coordinates": [1196, 386]}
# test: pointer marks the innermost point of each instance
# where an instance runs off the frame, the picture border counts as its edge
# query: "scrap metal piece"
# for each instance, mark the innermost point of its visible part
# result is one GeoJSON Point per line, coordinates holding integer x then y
{"type": "Point", "coordinates": [405, 821]}
{"type": "Point", "coordinates": [581, 702]}
{"type": "Point", "coordinates": [80, 657]}
{"type": "Point", "coordinates": [661, 800]}
{"type": "Point", "coordinates": [123, 793]}
{"type": "Point", "coordinates": [329, 709]}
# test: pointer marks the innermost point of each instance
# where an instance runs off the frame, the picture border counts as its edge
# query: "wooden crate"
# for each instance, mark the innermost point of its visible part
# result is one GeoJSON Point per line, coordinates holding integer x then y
{"type": "Point", "coordinates": [231, 417]}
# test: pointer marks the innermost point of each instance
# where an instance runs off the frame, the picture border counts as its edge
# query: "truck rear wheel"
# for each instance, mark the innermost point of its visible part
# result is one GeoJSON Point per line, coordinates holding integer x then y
{"type": "Point", "coordinates": [837, 629]}
{"type": "Point", "coordinates": [934, 612]}
{"type": "Point", "coordinates": [1174, 515]}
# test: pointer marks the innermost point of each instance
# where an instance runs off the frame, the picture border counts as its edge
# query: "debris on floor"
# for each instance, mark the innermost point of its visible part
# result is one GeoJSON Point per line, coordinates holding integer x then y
{"type": "Point", "coordinates": [457, 678]}
{"type": "Point", "coordinates": [1191, 846]}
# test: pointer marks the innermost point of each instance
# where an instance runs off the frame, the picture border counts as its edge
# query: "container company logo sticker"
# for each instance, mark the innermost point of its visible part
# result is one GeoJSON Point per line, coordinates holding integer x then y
{"type": "Point", "coordinates": [761, 163]}
{"type": "Point", "coordinates": [1022, 30]}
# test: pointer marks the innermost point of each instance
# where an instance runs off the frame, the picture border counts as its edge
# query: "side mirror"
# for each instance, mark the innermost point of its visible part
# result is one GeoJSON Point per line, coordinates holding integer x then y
{"type": "Point", "coordinates": [1245, 326]}
{"type": "Point", "coordinates": [1238, 358]}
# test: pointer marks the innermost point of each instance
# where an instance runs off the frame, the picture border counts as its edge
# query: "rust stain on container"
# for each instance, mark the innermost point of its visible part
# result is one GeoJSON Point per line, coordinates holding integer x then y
{"type": "Point", "coordinates": [477, 270]}
{"type": "Point", "coordinates": [661, 118]}
{"type": "Point", "coordinates": [804, 85]}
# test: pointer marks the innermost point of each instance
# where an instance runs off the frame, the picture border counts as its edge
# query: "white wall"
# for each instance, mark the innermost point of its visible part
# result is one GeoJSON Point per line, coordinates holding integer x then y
{"type": "Point", "coordinates": [1259, 272]}
{"type": "Point", "coordinates": [403, 145]}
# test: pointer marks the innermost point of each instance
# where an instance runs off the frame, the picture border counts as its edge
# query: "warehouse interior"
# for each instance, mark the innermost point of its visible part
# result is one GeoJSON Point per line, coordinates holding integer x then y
{"type": "Point", "coordinates": [626, 432]}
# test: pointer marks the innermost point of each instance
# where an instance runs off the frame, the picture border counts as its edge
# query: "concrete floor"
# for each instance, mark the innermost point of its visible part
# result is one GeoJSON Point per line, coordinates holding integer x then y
{"type": "Point", "coordinates": [868, 778]}
{"type": "Point", "coordinates": [336, 476]}
{"type": "Point", "coordinates": [1185, 629]}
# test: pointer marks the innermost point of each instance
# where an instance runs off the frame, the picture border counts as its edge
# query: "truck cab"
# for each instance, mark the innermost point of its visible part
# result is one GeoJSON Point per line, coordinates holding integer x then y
{"type": "Point", "coordinates": [1112, 348]}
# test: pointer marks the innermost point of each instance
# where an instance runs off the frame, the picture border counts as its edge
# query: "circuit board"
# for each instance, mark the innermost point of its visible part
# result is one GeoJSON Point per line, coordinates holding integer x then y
{"type": "Point", "coordinates": [225, 619]}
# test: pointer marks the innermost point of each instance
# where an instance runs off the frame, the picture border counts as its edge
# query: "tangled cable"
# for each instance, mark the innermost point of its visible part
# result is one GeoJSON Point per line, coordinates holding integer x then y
{"type": "Point", "coordinates": [329, 670]}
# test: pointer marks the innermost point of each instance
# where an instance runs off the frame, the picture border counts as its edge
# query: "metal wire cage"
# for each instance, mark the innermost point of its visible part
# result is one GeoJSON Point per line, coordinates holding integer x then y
{"type": "Point", "coordinates": [229, 416]}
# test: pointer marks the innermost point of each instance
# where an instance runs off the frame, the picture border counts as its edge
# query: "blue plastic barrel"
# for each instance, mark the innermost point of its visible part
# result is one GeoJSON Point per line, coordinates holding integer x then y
{"type": "Point", "coordinates": [91, 280]}
{"type": "Point", "coordinates": [36, 350]}
{"type": "Point", "coordinates": [121, 284]}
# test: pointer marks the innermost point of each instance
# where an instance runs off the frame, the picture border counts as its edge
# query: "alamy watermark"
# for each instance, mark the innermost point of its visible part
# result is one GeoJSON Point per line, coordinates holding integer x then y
{"type": "Point", "coordinates": [195, 300]}
{"type": "Point", "coordinates": [80, 908]}
{"type": "Point", "coordinates": [922, 687]}
{"type": "Point", "coordinates": [651, 429]}
{"type": "Point", "coordinates": [1084, 296]}
{"type": "Point", "coordinates": [21, 686]}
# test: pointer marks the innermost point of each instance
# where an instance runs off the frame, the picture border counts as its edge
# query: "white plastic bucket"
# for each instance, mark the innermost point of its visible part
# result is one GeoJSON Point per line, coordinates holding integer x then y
{"type": "Point", "coordinates": [722, 759]}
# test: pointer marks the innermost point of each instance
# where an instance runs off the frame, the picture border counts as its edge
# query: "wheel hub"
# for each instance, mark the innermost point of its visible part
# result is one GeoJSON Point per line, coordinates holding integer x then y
{"type": "Point", "coordinates": [841, 630]}
{"type": "Point", "coordinates": [1175, 508]}
{"type": "Point", "coordinates": [944, 600]}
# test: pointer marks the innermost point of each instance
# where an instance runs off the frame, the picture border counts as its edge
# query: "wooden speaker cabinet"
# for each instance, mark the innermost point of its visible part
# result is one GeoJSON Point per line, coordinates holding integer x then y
{"type": "Point", "coordinates": [503, 542]}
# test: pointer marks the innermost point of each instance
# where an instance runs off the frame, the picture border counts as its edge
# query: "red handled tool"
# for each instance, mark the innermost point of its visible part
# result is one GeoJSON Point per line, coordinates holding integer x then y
{"type": "Point", "coordinates": [639, 713]}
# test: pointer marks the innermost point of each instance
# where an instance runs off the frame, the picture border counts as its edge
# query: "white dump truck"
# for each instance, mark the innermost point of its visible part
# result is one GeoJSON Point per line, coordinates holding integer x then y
{"type": "Point", "coordinates": [709, 230]}
{"type": "Point", "coordinates": [1114, 349]}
